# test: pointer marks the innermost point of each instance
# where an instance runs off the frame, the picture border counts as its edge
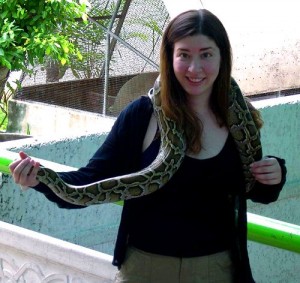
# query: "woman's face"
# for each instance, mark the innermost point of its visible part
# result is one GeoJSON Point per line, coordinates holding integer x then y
{"type": "Point", "coordinates": [196, 64]}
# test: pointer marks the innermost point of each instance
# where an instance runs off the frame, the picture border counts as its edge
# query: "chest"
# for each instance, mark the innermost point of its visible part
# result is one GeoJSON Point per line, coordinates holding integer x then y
{"type": "Point", "coordinates": [219, 175]}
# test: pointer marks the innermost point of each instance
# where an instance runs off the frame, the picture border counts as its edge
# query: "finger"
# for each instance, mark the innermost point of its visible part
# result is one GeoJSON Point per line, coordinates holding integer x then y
{"type": "Point", "coordinates": [21, 169]}
{"type": "Point", "coordinates": [13, 165]}
{"type": "Point", "coordinates": [269, 182]}
{"type": "Point", "coordinates": [35, 169]}
{"type": "Point", "coordinates": [23, 155]}
{"type": "Point", "coordinates": [30, 171]}
{"type": "Point", "coordinates": [263, 162]}
{"type": "Point", "coordinates": [32, 178]}
{"type": "Point", "coordinates": [27, 170]}
{"type": "Point", "coordinates": [266, 177]}
{"type": "Point", "coordinates": [29, 174]}
{"type": "Point", "coordinates": [263, 169]}
{"type": "Point", "coordinates": [269, 179]}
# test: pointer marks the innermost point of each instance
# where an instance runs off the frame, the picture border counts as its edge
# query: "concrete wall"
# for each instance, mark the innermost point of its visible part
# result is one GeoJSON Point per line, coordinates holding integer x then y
{"type": "Point", "coordinates": [280, 137]}
{"type": "Point", "coordinates": [28, 256]}
{"type": "Point", "coordinates": [96, 227]}
{"type": "Point", "coordinates": [93, 227]}
{"type": "Point", "coordinates": [41, 119]}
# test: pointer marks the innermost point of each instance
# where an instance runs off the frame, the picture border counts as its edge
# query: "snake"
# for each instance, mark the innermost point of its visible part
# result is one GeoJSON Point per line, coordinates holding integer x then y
{"type": "Point", "coordinates": [170, 156]}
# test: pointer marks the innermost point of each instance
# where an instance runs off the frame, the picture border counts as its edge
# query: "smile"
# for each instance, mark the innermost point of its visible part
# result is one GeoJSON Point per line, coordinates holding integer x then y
{"type": "Point", "coordinates": [195, 80]}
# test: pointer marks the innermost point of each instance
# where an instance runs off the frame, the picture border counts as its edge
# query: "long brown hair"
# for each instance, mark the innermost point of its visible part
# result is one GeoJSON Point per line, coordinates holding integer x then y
{"type": "Point", "coordinates": [173, 98]}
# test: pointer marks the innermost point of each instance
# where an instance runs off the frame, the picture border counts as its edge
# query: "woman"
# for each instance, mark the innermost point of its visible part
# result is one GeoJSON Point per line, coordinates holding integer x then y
{"type": "Point", "coordinates": [194, 229]}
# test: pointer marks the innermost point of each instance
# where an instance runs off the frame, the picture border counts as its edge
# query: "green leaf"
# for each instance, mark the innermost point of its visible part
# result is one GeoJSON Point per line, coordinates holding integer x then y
{"type": "Point", "coordinates": [31, 29]}
{"type": "Point", "coordinates": [4, 14]}
{"type": "Point", "coordinates": [65, 48]}
{"type": "Point", "coordinates": [48, 50]}
{"type": "Point", "coordinates": [63, 61]}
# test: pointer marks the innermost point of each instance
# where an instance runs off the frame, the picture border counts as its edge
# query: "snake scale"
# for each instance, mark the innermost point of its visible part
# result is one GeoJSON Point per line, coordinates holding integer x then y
{"type": "Point", "coordinates": [168, 160]}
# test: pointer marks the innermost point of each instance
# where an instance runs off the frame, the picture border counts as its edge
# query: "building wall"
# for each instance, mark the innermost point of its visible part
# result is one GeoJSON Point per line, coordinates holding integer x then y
{"type": "Point", "coordinates": [280, 137]}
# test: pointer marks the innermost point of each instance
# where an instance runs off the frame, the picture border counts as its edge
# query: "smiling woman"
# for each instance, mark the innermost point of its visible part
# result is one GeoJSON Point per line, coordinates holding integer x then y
{"type": "Point", "coordinates": [262, 34]}
{"type": "Point", "coordinates": [196, 140]}
{"type": "Point", "coordinates": [196, 63]}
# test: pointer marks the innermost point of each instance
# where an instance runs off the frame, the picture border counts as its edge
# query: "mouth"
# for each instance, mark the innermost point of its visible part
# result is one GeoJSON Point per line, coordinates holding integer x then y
{"type": "Point", "coordinates": [195, 80]}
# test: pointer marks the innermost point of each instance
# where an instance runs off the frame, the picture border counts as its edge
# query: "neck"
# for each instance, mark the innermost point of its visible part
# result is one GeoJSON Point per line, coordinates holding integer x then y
{"type": "Point", "coordinates": [199, 103]}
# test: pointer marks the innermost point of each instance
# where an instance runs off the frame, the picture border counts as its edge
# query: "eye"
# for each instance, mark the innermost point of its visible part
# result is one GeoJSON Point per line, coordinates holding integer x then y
{"type": "Point", "coordinates": [183, 55]}
{"type": "Point", "coordinates": [206, 55]}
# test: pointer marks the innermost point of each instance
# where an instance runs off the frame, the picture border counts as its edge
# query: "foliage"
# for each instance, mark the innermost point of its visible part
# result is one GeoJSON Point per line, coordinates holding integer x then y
{"type": "Point", "coordinates": [3, 118]}
{"type": "Point", "coordinates": [91, 39]}
{"type": "Point", "coordinates": [29, 30]}
{"type": "Point", "coordinates": [153, 34]}
{"type": "Point", "coordinates": [6, 94]}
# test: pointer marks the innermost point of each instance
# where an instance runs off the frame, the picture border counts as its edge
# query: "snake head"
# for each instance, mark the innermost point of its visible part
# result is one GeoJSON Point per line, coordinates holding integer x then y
{"type": "Point", "coordinates": [154, 93]}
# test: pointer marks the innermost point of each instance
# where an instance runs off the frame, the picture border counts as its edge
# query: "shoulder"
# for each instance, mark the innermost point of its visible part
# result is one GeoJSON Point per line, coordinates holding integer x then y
{"type": "Point", "coordinates": [135, 116]}
{"type": "Point", "coordinates": [138, 108]}
{"type": "Point", "coordinates": [140, 104]}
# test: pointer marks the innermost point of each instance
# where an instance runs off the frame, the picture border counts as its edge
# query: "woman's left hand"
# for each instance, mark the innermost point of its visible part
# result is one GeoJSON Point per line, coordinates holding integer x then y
{"type": "Point", "coordinates": [267, 171]}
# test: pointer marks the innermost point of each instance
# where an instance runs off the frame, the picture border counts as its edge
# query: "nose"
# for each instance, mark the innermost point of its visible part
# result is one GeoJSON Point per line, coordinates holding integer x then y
{"type": "Point", "coordinates": [195, 65]}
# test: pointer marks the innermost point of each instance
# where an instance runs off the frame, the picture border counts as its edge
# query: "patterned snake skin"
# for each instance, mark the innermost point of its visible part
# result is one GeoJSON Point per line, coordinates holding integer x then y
{"type": "Point", "coordinates": [170, 156]}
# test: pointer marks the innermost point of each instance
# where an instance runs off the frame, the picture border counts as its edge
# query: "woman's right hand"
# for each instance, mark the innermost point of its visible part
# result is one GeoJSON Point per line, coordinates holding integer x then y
{"type": "Point", "coordinates": [24, 170]}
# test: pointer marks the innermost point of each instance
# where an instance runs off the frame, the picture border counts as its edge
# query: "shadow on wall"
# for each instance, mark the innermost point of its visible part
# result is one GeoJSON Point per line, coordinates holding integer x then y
{"type": "Point", "coordinates": [134, 88]}
{"type": "Point", "coordinates": [12, 136]}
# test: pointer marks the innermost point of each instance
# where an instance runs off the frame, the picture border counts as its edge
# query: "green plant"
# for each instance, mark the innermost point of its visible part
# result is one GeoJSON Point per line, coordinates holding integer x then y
{"type": "Point", "coordinates": [27, 129]}
{"type": "Point", "coordinates": [32, 30]}
{"type": "Point", "coordinates": [6, 94]}
{"type": "Point", "coordinates": [91, 40]}
{"type": "Point", "coordinates": [3, 118]}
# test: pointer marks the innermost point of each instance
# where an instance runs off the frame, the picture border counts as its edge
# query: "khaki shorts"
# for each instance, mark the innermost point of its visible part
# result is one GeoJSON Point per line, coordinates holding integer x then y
{"type": "Point", "coordinates": [143, 267]}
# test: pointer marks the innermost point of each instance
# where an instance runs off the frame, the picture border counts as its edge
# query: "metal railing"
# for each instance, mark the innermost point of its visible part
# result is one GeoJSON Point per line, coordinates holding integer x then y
{"type": "Point", "coordinates": [273, 232]}
{"type": "Point", "coordinates": [261, 229]}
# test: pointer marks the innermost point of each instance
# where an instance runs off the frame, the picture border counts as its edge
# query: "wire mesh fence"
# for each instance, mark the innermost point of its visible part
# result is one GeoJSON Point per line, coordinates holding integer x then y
{"type": "Point", "coordinates": [120, 48]}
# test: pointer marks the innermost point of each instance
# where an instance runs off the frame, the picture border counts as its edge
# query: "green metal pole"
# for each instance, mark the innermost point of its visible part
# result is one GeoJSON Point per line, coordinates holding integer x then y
{"type": "Point", "coordinates": [4, 163]}
{"type": "Point", "coordinates": [273, 232]}
{"type": "Point", "coordinates": [261, 229]}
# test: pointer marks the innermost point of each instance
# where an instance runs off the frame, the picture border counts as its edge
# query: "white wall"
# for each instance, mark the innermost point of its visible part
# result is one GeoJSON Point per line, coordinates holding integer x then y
{"type": "Point", "coordinates": [264, 37]}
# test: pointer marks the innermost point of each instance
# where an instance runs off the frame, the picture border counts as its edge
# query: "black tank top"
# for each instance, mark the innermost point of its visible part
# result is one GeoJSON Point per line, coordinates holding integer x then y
{"type": "Point", "coordinates": [192, 215]}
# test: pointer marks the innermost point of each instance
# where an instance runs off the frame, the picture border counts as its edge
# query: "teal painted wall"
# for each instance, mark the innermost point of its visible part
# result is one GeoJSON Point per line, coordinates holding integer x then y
{"type": "Point", "coordinates": [280, 137]}
{"type": "Point", "coordinates": [96, 227]}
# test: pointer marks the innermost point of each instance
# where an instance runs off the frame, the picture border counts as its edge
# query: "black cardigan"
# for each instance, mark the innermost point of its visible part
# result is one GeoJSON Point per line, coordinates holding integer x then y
{"type": "Point", "coordinates": [120, 154]}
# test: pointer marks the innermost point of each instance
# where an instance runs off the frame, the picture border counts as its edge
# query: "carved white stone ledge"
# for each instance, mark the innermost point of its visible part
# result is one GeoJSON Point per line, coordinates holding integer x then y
{"type": "Point", "coordinates": [28, 256]}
